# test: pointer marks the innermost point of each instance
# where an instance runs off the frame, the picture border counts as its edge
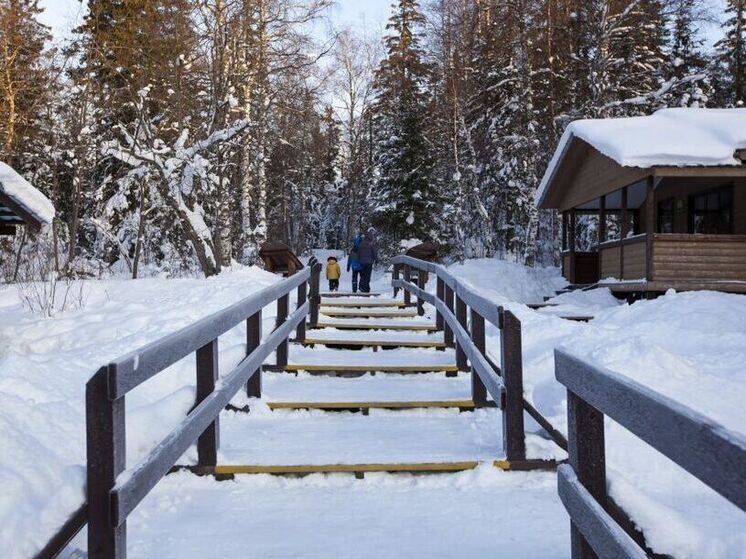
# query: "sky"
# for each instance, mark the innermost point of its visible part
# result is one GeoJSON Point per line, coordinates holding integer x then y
{"type": "Point", "coordinates": [64, 15]}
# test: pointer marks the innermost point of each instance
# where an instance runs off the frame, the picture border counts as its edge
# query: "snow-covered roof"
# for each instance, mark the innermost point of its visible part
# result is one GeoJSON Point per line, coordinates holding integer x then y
{"type": "Point", "coordinates": [20, 191]}
{"type": "Point", "coordinates": [680, 137]}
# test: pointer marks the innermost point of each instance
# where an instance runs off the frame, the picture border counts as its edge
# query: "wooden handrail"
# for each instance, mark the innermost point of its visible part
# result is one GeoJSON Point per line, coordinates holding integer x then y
{"type": "Point", "coordinates": [705, 449]}
{"type": "Point", "coordinates": [113, 490]}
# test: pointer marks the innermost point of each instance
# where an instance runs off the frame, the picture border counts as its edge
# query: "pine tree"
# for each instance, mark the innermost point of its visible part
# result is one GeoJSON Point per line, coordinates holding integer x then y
{"type": "Point", "coordinates": [732, 49]}
{"type": "Point", "coordinates": [405, 202]}
{"type": "Point", "coordinates": [686, 59]}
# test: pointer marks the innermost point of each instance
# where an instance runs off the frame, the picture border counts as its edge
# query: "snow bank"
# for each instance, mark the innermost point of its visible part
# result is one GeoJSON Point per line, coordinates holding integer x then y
{"type": "Point", "coordinates": [688, 346]}
{"type": "Point", "coordinates": [29, 198]}
{"type": "Point", "coordinates": [45, 363]}
{"type": "Point", "coordinates": [677, 137]}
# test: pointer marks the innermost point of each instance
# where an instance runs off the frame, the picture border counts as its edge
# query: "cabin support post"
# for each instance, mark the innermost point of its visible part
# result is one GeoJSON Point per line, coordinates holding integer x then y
{"type": "Point", "coordinates": [511, 353]}
{"type": "Point", "coordinates": [253, 339]}
{"type": "Point", "coordinates": [601, 232]}
{"type": "Point", "coordinates": [440, 293]}
{"type": "Point", "coordinates": [461, 361]}
{"type": "Point", "coordinates": [650, 226]}
{"type": "Point", "coordinates": [478, 390]}
{"type": "Point", "coordinates": [207, 375]}
{"type": "Point", "coordinates": [571, 245]}
{"type": "Point", "coordinates": [282, 315]}
{"type": "Point", "coordinates": [585, 429]}
{"type": "Point", "coordinates": [624, 230]}
{"type": "Point", "coordinates": [447, 332]}
{"type": "Point", "coordinates": [105, 444]}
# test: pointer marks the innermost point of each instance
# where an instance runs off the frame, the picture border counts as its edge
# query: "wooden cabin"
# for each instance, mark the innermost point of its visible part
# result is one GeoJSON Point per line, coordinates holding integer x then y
{"type": "Point", "coordinates": [21, 203]}
{"type": "Point", "coordinates": [278, 258]}
{"type": "Point", "coordinates": [652, 203]}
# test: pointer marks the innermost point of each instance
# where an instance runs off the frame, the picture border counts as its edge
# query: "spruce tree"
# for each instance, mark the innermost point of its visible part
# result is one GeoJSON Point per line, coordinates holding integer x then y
{"type": "Point", "coordinates": [405, 203]}
{"type": "Point", "coordinates": [732, 49]}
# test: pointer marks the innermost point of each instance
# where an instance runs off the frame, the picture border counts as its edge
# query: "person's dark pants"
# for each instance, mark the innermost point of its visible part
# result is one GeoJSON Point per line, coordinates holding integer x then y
{"type": "Point", "coordinates": [355, 277]}
{"type": "Point", "coordinates": [365, 272]}
{"type": "Point", "coordinates": [333, 285]}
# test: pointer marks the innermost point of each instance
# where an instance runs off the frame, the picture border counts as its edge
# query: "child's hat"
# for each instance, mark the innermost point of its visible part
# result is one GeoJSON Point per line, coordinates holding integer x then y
{"type": "Point", "coordinates": [332, 258]}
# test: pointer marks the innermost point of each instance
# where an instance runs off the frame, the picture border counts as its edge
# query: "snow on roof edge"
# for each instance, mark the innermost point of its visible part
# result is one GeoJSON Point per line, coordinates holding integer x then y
{"type": "Point", "coordinates": [678, 137]}
{"type": "Point", "coordinates": [25, 195]}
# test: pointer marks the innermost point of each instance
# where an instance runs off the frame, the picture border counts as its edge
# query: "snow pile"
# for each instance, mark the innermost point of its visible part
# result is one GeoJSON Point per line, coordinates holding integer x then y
{"type": "Point", "coordinates": [45, 363]}
{"type": "Point", "coordinates": [22, 193]}
{"type": "Point", "coordinates": [673, 137]}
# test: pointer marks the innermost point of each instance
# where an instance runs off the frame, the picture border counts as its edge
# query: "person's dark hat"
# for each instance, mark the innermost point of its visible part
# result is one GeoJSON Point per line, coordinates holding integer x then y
{"type": "Point", "coordinates": [332, 258]}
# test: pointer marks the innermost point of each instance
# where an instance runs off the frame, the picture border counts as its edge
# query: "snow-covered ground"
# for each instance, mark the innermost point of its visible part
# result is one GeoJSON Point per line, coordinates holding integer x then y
{"type": "Point", "coordinates": [688, 346]}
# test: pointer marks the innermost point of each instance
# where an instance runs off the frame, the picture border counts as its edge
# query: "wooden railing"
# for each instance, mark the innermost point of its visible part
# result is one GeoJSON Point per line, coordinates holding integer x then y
{"type": "Point", "coordinates": [461, 314]}
{"type": "Point", "coordinates": [703, 448]}
{"type": "Point", "coordinates": [114, 491]}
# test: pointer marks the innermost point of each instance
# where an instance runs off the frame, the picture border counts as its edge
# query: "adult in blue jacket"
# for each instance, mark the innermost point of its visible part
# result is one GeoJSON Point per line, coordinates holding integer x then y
{"type": "Point", "coordinates": [353, 261]}
{"type": "Point", "coordinates": [367, 255]}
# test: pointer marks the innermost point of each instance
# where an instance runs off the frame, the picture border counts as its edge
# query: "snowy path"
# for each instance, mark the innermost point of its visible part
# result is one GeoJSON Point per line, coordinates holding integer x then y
{"type": "Point", "coordinates": [475, 514]}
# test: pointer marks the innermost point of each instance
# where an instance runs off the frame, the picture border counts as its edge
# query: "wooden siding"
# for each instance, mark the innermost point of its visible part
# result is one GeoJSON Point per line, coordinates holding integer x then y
{"type": "Point", "coordinates": [610, 261]}
{"type": "Point", "coordinates": [699, 257]}
{"type": "Point", "coordinates": [635, 260]}
{"type": "Point", "coordinates": [580, 267]}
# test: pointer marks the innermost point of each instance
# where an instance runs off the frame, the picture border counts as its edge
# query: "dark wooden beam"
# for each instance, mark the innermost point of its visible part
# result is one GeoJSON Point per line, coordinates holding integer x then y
{"type": "Point", "coordinates": [624, 229]}
{"type": "Point", "coordinates": [650, 226]}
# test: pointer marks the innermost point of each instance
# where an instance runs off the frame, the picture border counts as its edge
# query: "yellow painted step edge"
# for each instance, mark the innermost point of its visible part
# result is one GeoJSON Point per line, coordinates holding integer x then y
{"type": "Point", "coordinates": [368, 314]}
{"type": "Point", "coordinates": [365, 304]}
{"type": "Point", "coordinates": [369, 405]}
{"type": "Point", "coordinates": [381, 368]}
{"type": "Point", "coordinates": [418, 327]}
{"type": "Point", "coordinates": [403, 343]}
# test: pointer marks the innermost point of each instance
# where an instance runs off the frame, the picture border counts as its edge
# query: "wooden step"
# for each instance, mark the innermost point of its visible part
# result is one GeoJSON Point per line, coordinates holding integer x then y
{"type": "Point", "coordinates": [377, 326]}
{"type": "Point", "coordinates": [311, 341]}
{"type": "Point", "coordinates": [366, 304]}
{"type": "Point", "coordinates": [332, 406]}
{"type": "Point", "coordinates": [347, 294]}
{"type": "Point", "coordinates": [336, 368]}
{"type": "Point", "coordinates": [578, 318]}
{"type": "Point", "coordinates": [368, 314]}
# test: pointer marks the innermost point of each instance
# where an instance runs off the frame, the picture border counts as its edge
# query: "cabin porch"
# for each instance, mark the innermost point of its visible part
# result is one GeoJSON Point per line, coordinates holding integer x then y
{"type": "Point", "coordinates": [660, 233]}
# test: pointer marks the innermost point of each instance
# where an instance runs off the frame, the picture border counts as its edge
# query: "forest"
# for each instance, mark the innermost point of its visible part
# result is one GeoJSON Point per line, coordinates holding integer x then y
{"type": "Point", "coordinates": [176, 136]}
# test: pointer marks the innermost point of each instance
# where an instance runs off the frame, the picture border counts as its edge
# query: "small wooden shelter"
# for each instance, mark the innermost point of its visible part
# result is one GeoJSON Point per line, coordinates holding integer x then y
{"type": "Point", "coordinates": [663, 198]}
{"type": "Point", "coordinates": [21, 203]}
{"type": "Point", "coordinates": [279, 258]}
{"type": "Point", "coordinates": [427, 251]}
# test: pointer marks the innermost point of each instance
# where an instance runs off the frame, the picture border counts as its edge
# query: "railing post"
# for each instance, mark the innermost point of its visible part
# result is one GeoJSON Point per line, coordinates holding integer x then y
{"type": "Point", "coordinates": [395, 274]}
{"type": "Point", "coordinates": [478, 390]}
{"type": "Point", "coordinates": [421, 283]}
{"type": "Point", "coordinates": [585, 430]}
{"type": "Point", "coordinates": [461, 317]}
{"type": "Point", "coordinates": [282, 314]}
{"type": "Point", "coordinates": [447, 332]}
{"type": "Point", "coordinates": [511, 352]}
{"type": "Point", "coordinates": [408, 279]}
{"type": "Point", "coordinates": [207, 374]}
{"type": "Point", "coordinates": [440, 293]}
{"type": "Point", "coordinates": [105, 446]}
{"type": "Point", "coordinates": [253, 339]}
{"type": "Point", "coordinates": [300, 331]}
{"type": "Point", "coordinates": [315, 298]}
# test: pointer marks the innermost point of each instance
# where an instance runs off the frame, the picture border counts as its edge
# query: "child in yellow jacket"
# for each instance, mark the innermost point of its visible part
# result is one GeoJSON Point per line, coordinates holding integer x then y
{"type": "Point", "coordinates": [333, 273]}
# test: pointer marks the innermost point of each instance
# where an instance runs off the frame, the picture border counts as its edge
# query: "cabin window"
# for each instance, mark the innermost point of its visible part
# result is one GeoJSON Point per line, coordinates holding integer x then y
{"type": "Point", "coordinates": [665, 216]}
{"type": "Point", "coordinates": [711, 213]}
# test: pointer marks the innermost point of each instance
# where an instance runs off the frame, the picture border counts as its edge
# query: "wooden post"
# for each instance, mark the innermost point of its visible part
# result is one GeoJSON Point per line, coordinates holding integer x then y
{"type": "Point", "coordinates": [585, 430]}
{"type": "Point", "coordinates": [461, 317]}
{"type": "Point", "coordinates": [571, 232]}
{"type": "Point", "coordinates": [207, 374]}
{"type": "Point", "coordinates": [601, 232]}
{"type": "Point", "coordinates": [650, 226]}
{"type": "Point", "coordinates": [511, 352]}
{"type": "Point", "coordinates": [105, 447]}
{"type": "Point", "coordinates": [564, 230]}
{"type": "Point", "coordinates": [478, 390]}
{"type": "Point", "coordinates": [300, 331]}
{"type": "Point", "coordinates": [421, 283]}
{"type": "Point", "coordinates": [447, 332]}
{"type": "Point", "coordinates": [395, 276]}
{"type": "Point", "coordinates": [315, 298]}
{"type": "Point", "coordinates": [408, 279]}
{"type": "Point", "coordinates": [440, 293]}
{"type": "Point", "coordinates": [253, 339]}
{"type": "Point", "coordinates": [282, 314]}
{"type": "Point", "coordinates": [623, 232]}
